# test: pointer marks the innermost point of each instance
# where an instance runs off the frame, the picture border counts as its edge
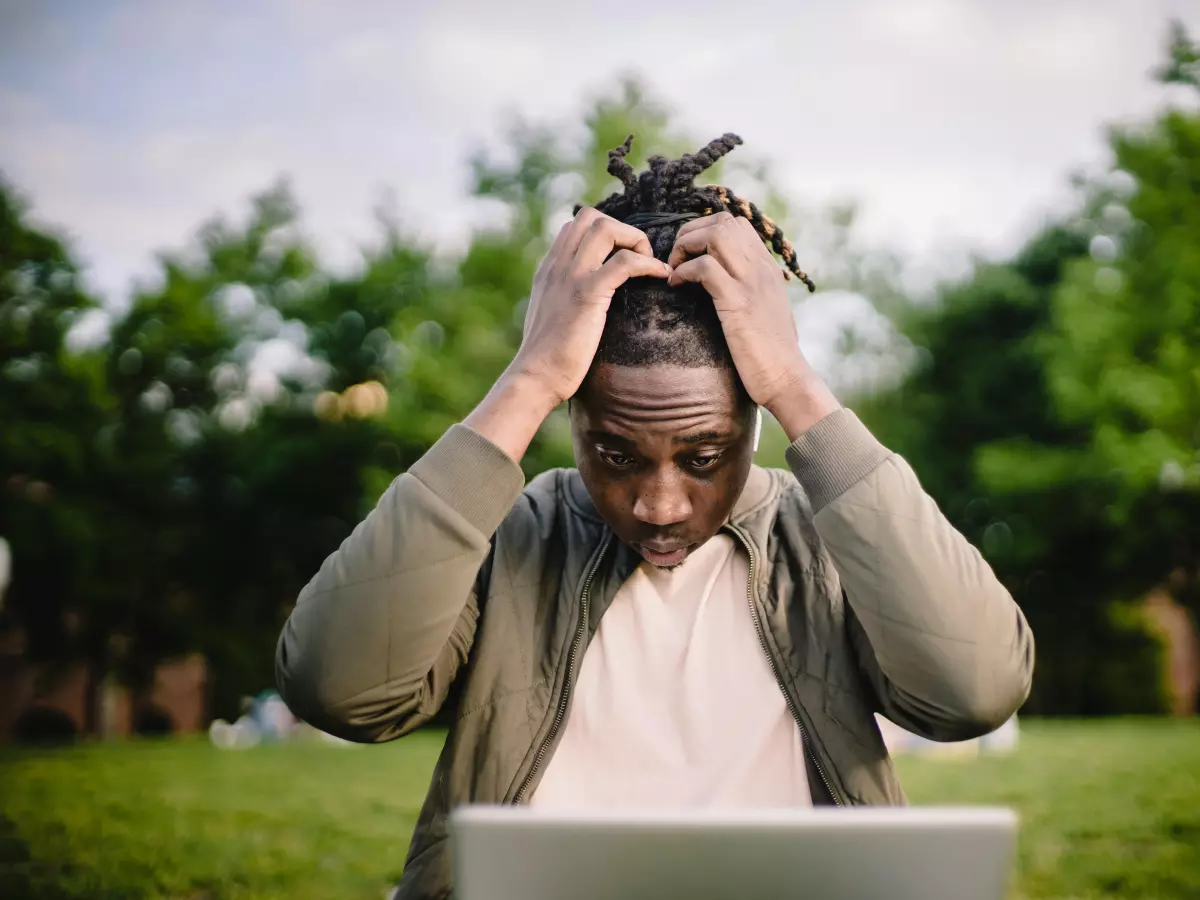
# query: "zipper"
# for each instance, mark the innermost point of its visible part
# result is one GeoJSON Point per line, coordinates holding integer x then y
{"type": "Point", "coordinates": [572, 656]}
{"type": "Point", "coordinates": [762, 640]}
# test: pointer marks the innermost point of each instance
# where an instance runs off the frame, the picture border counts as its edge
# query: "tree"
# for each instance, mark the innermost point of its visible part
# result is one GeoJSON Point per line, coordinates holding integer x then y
{"type": "Point", "coordinates": [966, 418]}
{"type": "Point", "coordinates": [1124, 353]}
{"type": "Point", "coordinates": [250, 407]}
{"type": "Point", "coordinates": [53, 403]}
{"type": "Point", "coordinates": [1053, 414]}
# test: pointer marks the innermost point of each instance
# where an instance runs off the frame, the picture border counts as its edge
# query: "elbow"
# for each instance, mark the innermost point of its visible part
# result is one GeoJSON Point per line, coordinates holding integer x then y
{"type": "Point", "coordinates": [999, 689]}
{"type": "Point", "coordinates": [972, 698]}
{"type": "Point", "coordinates": [368, 717]}
{"type": "Point", "coordinates": [301, 688]}
{"type": "Point", "coordinates": [983, 711]}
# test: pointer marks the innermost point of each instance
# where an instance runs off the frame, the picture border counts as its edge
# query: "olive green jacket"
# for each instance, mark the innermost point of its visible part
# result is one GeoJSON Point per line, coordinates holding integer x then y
{"type": "Point", "coordinates": [865, 598]}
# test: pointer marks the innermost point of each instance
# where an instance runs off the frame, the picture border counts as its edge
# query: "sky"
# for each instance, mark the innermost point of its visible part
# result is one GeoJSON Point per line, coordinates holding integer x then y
{"type": "Point", "coordinates": [954, 124]}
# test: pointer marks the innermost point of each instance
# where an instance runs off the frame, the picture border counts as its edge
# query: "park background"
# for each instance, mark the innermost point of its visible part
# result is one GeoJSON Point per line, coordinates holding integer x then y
{"type": "Point", "coordinates": [254, 261]}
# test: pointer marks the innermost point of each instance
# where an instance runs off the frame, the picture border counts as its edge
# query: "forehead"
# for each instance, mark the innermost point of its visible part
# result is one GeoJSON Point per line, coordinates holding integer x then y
{"type": "Point", "coordinates": [629, 398]}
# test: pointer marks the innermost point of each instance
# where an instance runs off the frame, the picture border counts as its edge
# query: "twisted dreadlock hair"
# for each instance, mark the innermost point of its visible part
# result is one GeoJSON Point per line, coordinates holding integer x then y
{"type": "Point", "coordinates": [649, 322]}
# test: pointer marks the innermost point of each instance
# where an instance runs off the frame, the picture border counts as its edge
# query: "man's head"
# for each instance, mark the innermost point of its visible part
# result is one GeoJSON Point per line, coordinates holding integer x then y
{"type": "Point", "coordinates": [662, 426]}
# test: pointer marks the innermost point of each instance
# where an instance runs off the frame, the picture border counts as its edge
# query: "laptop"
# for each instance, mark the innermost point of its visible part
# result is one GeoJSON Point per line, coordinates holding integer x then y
{"type": "Point", "coordinates": [507, 852]}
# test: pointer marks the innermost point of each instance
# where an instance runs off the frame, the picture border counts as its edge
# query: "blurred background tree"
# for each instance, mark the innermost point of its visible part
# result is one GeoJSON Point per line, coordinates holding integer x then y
{"type": "Point", "coordinates": [1054, 413]}
{"type": "Point", "coordinates": [53, 405]}
{"type": "Point", "coordinates": [173, 488]}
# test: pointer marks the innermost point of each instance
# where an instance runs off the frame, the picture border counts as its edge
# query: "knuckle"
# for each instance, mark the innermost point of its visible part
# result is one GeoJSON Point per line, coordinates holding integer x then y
{"type": "Point", "coordinates": [586, 216]}
{"type": "Point", "coordinates": [603, 223]}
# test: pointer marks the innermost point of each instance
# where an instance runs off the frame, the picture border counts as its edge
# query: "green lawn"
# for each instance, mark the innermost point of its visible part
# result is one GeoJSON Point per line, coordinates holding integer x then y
{"type": "Point", "coordinates": [1109, 809]}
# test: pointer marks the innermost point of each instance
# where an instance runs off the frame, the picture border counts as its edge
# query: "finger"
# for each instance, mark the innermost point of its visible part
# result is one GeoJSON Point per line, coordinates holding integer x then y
{"type": "Point", "coordinates": [707, 272]}
{"type": "Point", "coordinates": [578, 227]}
{"type": "Point", "coordinates": [603, 236]}
{"type": "Point", "coordinates": [720, 218]}
{"type": "Point", "coordinates": [560, 239]}
{"type": "Point", "coordinates": [723, 240]}
{"type": "Point", "coordinates": [753, 241]}
{"type": "Point", "coordinates": [625, 264]}
{"type": "Point", "coordinates": [556, 247]}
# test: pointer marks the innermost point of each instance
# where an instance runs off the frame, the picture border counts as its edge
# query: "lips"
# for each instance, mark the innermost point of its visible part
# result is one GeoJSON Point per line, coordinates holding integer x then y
{"type": "Point", "coordinates": [662, 554]}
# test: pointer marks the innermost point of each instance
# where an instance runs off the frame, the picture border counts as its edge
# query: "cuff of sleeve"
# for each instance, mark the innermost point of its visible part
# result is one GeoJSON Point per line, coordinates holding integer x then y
{"type": "Point", "coordinates": [833, 456]}
{"type": "Point", "coordinates": [472, 475]}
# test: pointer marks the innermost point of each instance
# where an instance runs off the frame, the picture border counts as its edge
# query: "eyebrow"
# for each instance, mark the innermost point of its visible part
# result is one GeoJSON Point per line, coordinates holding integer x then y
{"type": "Point", "coordinates": [705, 437]}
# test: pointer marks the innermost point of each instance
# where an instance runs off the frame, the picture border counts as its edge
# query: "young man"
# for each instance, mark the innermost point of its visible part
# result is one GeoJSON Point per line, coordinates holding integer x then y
{"type": "Point", "coordinates": [669, 625]}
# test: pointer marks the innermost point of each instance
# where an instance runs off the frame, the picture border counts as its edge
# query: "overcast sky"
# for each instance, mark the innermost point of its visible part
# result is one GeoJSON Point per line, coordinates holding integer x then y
{"type": "Point", "coordinates": [955, 124]}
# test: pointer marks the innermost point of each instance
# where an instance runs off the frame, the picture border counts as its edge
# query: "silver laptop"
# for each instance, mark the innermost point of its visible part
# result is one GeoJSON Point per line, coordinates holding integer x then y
{"type": "Point", "coordinates": [506, 853]}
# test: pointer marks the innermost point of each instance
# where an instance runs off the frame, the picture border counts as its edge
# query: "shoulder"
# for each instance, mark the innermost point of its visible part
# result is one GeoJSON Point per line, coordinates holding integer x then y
{"type": "Point", "coordinates": [551, 500]}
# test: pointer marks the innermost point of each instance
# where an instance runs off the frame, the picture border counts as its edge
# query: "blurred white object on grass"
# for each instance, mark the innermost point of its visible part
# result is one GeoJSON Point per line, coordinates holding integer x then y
{"type": "Point", "coordinates": [899, 742]}
{"type": "Point", "coordinates": [5, 568]}
{"type": "Point", "coordinates": [267, 719]}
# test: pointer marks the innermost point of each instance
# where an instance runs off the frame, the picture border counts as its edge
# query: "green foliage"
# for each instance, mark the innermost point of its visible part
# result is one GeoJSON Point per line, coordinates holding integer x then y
{"type": "Point", "coordinates": [977, 421]}
{"type": "Point", "coordinates": [1124, 354]}
{"type": "Point", "coordinates": [195, 492]}
{"type": "Point", "coordinates": [1052, 410]}
{"type": "Point", "coordinates": [1108, 809]}
{"type": "Point", "coordinates": [1183, 58]}
{"type": "Point", "coordinates": [53, 404]}
{"type": "Point", "coordinates": [1054, 414]}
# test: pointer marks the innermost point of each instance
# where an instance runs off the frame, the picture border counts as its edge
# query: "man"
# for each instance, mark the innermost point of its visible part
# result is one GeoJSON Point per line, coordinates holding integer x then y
{"type": "Point", "coordinates": [668, 625]}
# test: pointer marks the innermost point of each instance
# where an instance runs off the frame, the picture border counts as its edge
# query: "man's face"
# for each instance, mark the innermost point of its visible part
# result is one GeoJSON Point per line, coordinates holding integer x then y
{"type": "Point", "coordinates": [664, 452]}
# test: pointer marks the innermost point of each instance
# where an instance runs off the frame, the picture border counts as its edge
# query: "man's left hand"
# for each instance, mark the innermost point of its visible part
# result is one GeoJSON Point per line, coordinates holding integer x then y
{"type": "Point", "coordinates": [725, 255]}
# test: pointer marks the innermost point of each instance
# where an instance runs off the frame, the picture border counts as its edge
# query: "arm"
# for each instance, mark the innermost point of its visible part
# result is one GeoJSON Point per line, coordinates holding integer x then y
{"type": "Point", "coordinates": [378, 636]}
{"type": "Point", "coordinates": [943, 645]}
{"type": "Point", "coordinates": [945, 648]}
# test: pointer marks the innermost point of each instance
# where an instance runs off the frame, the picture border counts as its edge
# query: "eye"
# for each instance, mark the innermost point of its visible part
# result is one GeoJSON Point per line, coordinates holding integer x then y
{"type": "Point", "coordinates": [616, 460]}
{"type": "Point", "coordinates": [706, 461]}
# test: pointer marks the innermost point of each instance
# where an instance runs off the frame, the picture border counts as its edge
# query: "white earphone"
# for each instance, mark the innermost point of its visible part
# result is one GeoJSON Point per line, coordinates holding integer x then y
{"type": "Point", "coordinates": [757, 427]}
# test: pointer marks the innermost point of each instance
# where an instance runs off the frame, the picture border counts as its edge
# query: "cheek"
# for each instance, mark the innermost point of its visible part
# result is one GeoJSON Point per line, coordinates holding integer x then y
{"type": "Point", "coordinates": [609, 496]}
{"type": "Point", "coordinates": [712, 501]}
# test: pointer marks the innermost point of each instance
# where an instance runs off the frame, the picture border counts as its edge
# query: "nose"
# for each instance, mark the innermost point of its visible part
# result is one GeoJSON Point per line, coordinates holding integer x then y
{"type": "Point", "coordinates": [662, 500]}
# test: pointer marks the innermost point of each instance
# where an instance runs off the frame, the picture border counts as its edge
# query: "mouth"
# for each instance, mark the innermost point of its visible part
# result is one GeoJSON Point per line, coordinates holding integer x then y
{"type": "Point", "coordinates": [663, 555]}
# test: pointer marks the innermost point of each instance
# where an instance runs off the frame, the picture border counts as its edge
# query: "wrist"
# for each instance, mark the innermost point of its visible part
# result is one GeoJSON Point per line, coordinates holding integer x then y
{"type": "Point", "coordinates": [512, 412]}
{"type": "Point", "coordinates": [804, 402]}
{"type": "Point", "coordinates": [532, 380]}
{"type": "Point", "coordinates": [528, 389]}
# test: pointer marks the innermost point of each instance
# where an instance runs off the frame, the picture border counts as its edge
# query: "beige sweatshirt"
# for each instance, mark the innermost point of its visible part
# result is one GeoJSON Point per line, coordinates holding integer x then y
{"type": "Point", "coordinates": [676, 706]}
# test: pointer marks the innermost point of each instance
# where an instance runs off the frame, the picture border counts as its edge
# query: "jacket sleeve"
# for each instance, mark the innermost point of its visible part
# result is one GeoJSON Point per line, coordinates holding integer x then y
{"type": "Point", "coordinates": [946, 649]}
{"type": "Point", "coordinates": [378, 635]}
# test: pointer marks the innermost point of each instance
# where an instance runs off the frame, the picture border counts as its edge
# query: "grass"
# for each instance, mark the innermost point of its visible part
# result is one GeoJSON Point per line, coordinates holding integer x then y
{"type": "Point", "coordinates": [1109, 809]}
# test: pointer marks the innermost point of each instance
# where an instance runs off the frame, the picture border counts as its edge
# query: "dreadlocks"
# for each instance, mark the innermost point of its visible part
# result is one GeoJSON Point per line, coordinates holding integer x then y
{"type": "Point", "coordinates": [649, 322]}
{"type": "Point", "coordinates": [668, 187]}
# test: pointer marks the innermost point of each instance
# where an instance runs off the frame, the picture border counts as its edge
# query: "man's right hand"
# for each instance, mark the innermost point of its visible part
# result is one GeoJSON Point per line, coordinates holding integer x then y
{"type": "Point", "coordinates": [571, 292]}
{"type": "Point", "coordinates": [570, 297]}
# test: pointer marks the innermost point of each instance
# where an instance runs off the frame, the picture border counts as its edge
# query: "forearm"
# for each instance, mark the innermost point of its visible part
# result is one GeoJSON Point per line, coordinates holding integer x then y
{"type": "Point", "coordinates": [949, 651]}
